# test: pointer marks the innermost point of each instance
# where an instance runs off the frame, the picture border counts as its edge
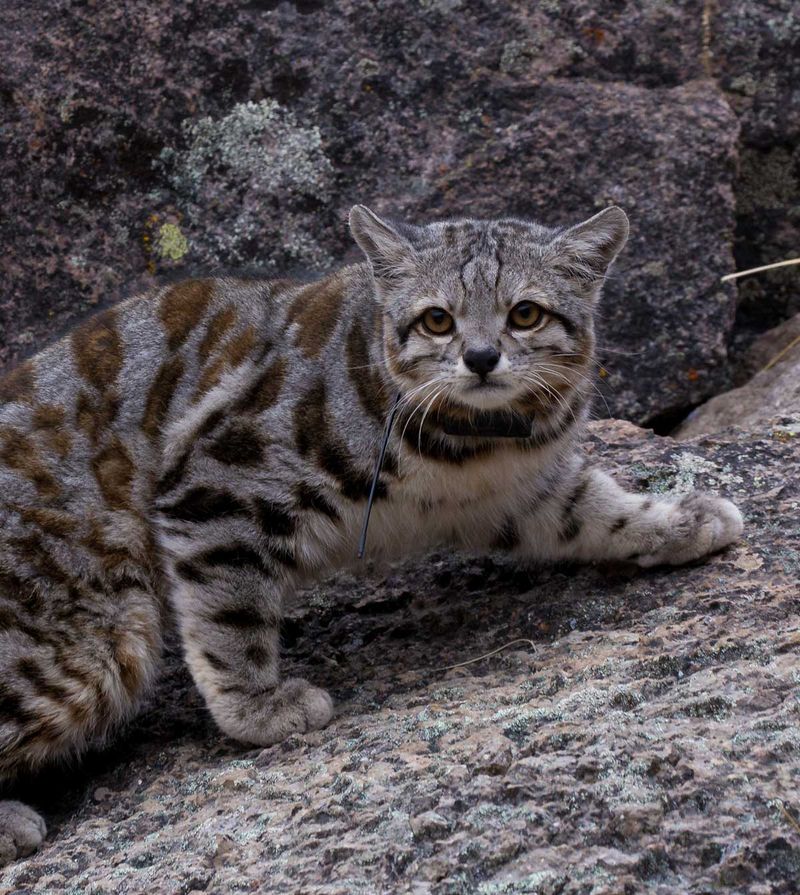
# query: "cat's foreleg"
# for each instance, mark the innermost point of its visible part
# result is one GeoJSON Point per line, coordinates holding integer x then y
{"type": "Point", "coordinates": [228, 599]}
{"type": "Point", "coordinates": [590, 517]}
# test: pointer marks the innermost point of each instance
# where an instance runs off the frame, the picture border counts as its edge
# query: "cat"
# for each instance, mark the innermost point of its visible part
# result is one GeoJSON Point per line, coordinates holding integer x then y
{"type": "Point", "coordinates": [198, 452]}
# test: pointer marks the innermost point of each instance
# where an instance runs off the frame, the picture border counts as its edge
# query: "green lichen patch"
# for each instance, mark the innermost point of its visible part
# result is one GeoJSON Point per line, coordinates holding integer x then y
{"type": "Point", "coordinates": [171, 244]}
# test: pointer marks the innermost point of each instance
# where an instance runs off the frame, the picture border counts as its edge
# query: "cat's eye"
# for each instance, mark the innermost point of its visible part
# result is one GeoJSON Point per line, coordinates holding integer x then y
{"type": "Point", "coordinates": [437, 321]}
{"type": "Point", "coordinates": [525, 315]}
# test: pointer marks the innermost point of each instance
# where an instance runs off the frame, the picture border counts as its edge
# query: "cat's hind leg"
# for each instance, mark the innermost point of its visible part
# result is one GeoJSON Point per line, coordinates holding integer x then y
{"type": "Point", "coordinates": [72, 668]}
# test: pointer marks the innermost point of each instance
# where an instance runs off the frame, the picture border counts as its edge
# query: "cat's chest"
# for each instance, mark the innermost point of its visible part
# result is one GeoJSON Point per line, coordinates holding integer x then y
{"type": "Point", "coordinates": [427, 483]}
{"type": "Point", "coordinates": [432, 502]}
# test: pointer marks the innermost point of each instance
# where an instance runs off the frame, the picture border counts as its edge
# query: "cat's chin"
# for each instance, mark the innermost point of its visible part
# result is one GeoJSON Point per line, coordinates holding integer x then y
{"type": "Point", "coordinates": [488, 396]}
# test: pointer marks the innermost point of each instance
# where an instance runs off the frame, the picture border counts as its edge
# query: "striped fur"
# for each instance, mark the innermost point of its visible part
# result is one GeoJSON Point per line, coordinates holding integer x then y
{"type": "Point", "coordinates": [207, 448]}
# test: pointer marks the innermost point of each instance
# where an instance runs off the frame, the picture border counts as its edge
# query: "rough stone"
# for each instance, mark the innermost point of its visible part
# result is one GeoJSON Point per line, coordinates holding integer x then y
{"type": "Point", "coordinates": [653, 734]}
{"type": "Point", "coordinates": [144, 141]}
{"type": "Point", "coordinates": [774, 390]}
{"type": "Point", "coordinates": [771, 346]}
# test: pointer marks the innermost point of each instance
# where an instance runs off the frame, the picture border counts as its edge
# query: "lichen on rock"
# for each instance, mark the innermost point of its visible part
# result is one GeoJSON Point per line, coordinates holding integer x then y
{"type": "Point", "coordinates": [258, 155]}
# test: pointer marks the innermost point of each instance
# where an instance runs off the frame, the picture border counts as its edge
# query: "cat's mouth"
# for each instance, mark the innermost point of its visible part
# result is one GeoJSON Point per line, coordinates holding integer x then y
{"type": "Point", "coordinates": [484, 384]}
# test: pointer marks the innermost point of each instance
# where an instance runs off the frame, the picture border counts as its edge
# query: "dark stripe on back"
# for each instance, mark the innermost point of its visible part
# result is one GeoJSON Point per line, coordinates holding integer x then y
{"type": "Point", "coordinates": [368, 384]}
{"type": "Point", "coordinates": [19, 453]}
{"type": "Point", "coordinates": [160, 396]}
{"type": "Point", "coordinates": [18, 385]}
{"type": "Point", "coordinates": [114, 472]}
{"type": "Point", "coordinates": [93, 416]}
{"type": "Point", "coordinates": [264, 392]}
{"type": "Point", "coordinates": [182, 308]}
{"type": "Point", "coordinates": [315, 310]}
{"type": "Point", "coordinates": [174, 475]}
{"type": "Point", "coordinates": [220, 323]}
{"type": "Point", "coordinates": [97, 350]}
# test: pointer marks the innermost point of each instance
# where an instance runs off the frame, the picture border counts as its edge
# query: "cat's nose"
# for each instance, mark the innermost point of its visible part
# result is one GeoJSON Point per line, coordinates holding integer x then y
{"type": "Point", "coordinates": [481, 360]}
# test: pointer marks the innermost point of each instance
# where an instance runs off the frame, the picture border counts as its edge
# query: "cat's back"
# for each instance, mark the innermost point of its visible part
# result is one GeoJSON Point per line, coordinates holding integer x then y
{"type": "Point", "coordinates": [81, 423]}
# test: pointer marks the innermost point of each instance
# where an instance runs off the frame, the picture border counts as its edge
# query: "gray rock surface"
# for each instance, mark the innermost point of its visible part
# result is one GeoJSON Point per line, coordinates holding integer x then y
{"type": "Point", "coordinates": [143, 141]}
{"type": "Point", "coordinates": [649, 741]}
{"type": "Point", "coordinates": [772, 392]}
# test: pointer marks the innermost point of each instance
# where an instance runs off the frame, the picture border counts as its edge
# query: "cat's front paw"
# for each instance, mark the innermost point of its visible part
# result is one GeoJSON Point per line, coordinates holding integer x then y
{"type": "Point", "coordinates": [21, 831]}
{"type": "Point", "coordinates": [696, 525]}
{"type": "Point", "coordinates": [294, 706]}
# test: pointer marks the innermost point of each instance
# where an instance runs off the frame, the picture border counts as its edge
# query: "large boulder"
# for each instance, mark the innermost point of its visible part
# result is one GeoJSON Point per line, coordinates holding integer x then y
{"type": "Point", "coordinates": [144, 140]}
{"type": "Point", "coordinates": [645, 739]}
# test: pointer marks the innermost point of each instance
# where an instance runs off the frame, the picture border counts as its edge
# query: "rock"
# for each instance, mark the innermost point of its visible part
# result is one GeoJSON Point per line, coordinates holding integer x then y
{"type": "Point", "coordinates": [771, 347]}
{"type": "Point", "coordinates": [755, 56]}
{"type": "Point", "coordinates": [773, 392]}
{"type": "Point", "coordinates": [653, 734]}
{"type": "Point", "coordinates": [430, 825]}
{"type": "Point", "coordinates": [144, 142]}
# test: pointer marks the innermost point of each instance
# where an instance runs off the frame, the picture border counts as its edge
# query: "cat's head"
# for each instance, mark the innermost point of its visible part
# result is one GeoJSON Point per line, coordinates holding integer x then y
{"type": "Point", "coordinates": [489, 314]}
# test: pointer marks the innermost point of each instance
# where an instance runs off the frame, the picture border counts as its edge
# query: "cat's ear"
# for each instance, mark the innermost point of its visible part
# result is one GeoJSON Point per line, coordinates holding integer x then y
{"type": "Point", "coordinates": [388, 251]}
{"type": "Point", "coordinates": [585, 252]}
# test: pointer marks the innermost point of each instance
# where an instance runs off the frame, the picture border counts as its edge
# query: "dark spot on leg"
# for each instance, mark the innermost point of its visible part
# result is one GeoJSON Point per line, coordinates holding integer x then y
{"type": "Point", "coordinates": [236, 556]}
{"type": "Point", "coordinates": [239, 617]}
{"type": "Point", "coordinates": [203, 504]}
{"type": "Point", "coordinates": [190, 571]}
{"type": "Point", "coordinates": [258, 655]}
{"type": "Point", "coordinates": [215, 662]}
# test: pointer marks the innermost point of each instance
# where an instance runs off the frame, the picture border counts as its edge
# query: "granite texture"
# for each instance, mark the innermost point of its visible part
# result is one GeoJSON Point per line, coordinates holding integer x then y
{"type": "Point", "coordinates": [646, 740]}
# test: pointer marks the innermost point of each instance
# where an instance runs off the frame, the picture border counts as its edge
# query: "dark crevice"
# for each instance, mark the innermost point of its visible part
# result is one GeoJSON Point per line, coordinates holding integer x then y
{"type": "Point", "coordinates": [667, 421]}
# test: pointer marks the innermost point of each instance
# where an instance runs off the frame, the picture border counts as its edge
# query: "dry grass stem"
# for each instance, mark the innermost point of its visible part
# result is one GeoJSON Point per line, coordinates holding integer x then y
{"type": "Point", "coordinates": [486, 655]}
{"type": "Point", "coordinates": [745, 273]}
{"type": "Point", "coordinates": [780, 354]}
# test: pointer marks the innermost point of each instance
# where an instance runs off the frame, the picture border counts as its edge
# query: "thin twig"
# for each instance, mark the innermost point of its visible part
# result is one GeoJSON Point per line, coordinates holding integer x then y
{"type": "Point", "coordinates": [745, 273]}
{"type": "Point", "coordinates": [486, 655]}
{"type": "Point", "coordinates": [779, 355]}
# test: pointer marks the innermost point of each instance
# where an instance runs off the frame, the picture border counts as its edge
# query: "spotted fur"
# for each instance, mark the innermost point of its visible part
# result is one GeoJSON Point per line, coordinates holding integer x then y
{"type": "Point", "coordinates": [201, 451]}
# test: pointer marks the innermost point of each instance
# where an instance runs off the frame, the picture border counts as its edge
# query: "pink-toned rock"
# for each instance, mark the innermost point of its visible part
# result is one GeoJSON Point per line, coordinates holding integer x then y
{"type": "Point", "coordinates": [654, 735]}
